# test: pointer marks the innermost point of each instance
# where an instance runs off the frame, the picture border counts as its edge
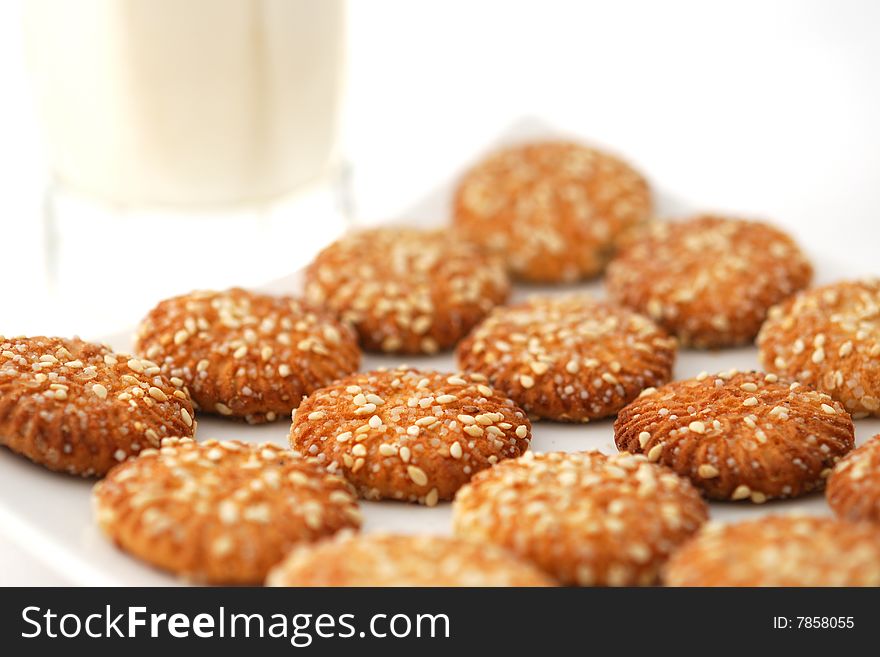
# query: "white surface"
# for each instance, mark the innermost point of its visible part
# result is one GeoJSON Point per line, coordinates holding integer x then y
{"type": "Point", "coordinates": [768, 107]}
{"type": "Point", "coordinates": [49, 515]}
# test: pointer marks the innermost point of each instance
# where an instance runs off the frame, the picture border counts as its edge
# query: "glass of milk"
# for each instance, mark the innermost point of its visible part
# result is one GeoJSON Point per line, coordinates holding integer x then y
{"type": "Point", "coordinates": [193, 143]}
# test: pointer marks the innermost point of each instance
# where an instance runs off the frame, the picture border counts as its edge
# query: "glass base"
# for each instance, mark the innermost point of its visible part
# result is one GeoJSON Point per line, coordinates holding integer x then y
{"type": "Point", "coordinates": [108, 265]}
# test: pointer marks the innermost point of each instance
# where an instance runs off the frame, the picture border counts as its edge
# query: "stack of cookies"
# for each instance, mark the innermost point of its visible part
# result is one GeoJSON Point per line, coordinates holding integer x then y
{"type": "Point", "coordinates": [550, 213]}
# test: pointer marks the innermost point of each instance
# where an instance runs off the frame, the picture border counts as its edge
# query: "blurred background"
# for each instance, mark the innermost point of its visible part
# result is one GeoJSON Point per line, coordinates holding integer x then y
{"type": "Point", "coordinates": [151, 146]}
{"type": "Point", "coordinates": [764, 108]}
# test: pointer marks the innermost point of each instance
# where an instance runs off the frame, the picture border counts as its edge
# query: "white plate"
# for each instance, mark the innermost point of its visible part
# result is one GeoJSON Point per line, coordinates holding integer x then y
{"type": "Point", "coordinates": [49, 515]}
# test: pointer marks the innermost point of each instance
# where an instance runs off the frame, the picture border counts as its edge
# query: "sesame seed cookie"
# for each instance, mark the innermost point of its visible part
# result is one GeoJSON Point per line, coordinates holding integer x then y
{"type": "Point", "coordinates": [396, 560]}
{"type": "Point", "coordinates": [571, 358]}
{"type": "Point", "coordinates": [739, 435]}
{"type": "Point", "coordinates": [779, 551]}
{"type": "Point", "coordinates": [584, 518]}
{"type": "Point", "coordinates": [220, 512]}
{"type": "Point", "coordinates": [554, 210]}
{"type": "Point", "coordinates": [407, 291]}
{"type": "Point", "coordinates": [709, 280]}
{"type": "Point", "coordinates": [409, 435]}
{"type": "Point", "coordinates": [829, 338]}
{"type": "Point", "coordinates": [247, 355]}
{"type": "Point", "coordinates": [80, 408]}
{"type": "Point", "coordinates": [853, 490]}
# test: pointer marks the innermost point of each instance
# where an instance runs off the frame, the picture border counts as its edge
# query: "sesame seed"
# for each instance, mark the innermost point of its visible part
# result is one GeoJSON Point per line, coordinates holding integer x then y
{"type": "Point", "coordinates": [829, 409]}
{"type": "Point", "coordinates": [818, 355]}
{"type": "Point", "coordinates": [526, 381]}
{"type": "Point", "coordinates": [455, 450]}
{"type": "Point", "coordinates": [417, 475]}
{"type": "Point", "coordinates": [284, 369]}
{"type": "Point", "coordinates": [157, 394]}
{"type": "Point", "coordinates": [485, 390]}
{"type": "Point", "coordinates": [375, 399]}
{"type": "Point", "coordinates": [343, 437]}
{"type": "Point", "coordinates": [707, 471]}
{"type": "Point", "coordinates": [413, 430]}
{"type": "Point", "coordinates": [425, 421]}
{"type": "Point", "coordinates": [387, 450]}
{"type": "Point", "coordinates": [741, 492]}
{"type": "Point", "coordinates": [446, 399]}
{"type": "Point", "coordinates": [359, 450]}
{"type": "Point", "coordinates": [644, 437]}
{"type": "Point", "coordinates": [751, 401]}
{"type": "Point", "coordinates": [223, 409]}
{"type": "Point", "coordinates": [655, 452]}
{"type": "Point", "coordinates": [522, 431]}
{"type": "Point", "coordinates": [466, 419]}
{"type": "Point", "coordinates": [119, 455]}
{"type": "Point", "coordinates": [404, 453]}
{"type": "Point", "coordinates": [473, 430]}
{"type": "Point", "coordinates": [456, 381]}
{"type": "Point", "coordinates": [100, 391]}
{"type": "Point", "coordinates": [432, 497]}
{"type": "Point", "coordinates": [375, 422]}
{"type": "Point", "coordinates": [697, 427]}
{"type": "Point", "coordinates": [317, 415]}
{"type": "Point", "coordinates": [186, 417]}
{"type": "Point", "coordinates": [749, 387]}
{"type": "Point", "coordinates": [181, 336]}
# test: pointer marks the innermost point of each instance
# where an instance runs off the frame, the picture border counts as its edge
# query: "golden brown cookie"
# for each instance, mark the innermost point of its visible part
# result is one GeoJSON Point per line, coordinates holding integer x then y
{"type": "Point", "coordinates": [409, 435]}
{"type": "Point", "coordinates": [77, 407]}
{"type": "Point", "coordinates": [584, 518]}
{"type": "Point", "coordinates": [853, 490]}
{"type": "Point", "coordinates": [554, 210]}
{"type": "Point", "coordinates": [739, 435]}
{"type": "Point", "coordinates": [407, 291]}
{"type": "Point", "coordinates": [571, 358]}
{"type": "Point", "coordinates": [779, 551]}
{"type": "Point", "coordinates": [829, 338]}
{"type": "Point", "coordinates": [220, 512]}
{"type": "Point", "coordinates": [395, 560]}
{"type": "Point", "coordinates": [247, 355]}
{"type": "Point", "coordinates": [709, 280]}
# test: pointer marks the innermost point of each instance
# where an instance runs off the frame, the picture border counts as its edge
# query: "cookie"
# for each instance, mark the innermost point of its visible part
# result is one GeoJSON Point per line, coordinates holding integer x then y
{"type": "Point", "coordinates": [779, 551]}
{"type": "Point", "coordinates": [220, 512]}
{"type": "Point", "coordinates": [829, 338]}
{"type": "Point", "coordinates": [739, 435]}
{"type": "Point", "coordinates": [395, 560]}
{"type": "Point", "coordinates": [584, 518]}
{"type": "Point", "coordinates": [553, 210]}
{"type": "Point", "coordinates": [853, 490]}
{"type": "Point", "coordinates": [407, 291]}
{"type": "Point", "coordinates": [410, 435]}
{"type": "Point", "coordinates": [709, 280]}
{"type": "Point", "coordinates": [80, 408]}
{"type": "Point", "coordinates": [571, 358]}
{"type": "Point", "coordinates": [247, 355]}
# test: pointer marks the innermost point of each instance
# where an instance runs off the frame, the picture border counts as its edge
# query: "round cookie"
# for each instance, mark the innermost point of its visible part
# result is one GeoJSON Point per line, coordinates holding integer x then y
{"type": "Point", "coordinates": [80, 408]}
{"type": "Point", "coordinates": [584, 518]}
{"type": "Point", "coordinates": [739, 435]}
{"type": "Point", "coordinates": [779, 551]}
{"type": "Point", "coordinates": [405, 290]}
{"type": "Point", "coordinates": [709, 280]}
{"type": "Point", "coordinates": [569, 358]}
{"type": "Point", "coordinates": [554, 211]}
{"type": "Point", "coordinates": [853, 490]}
{"type": "Point", "coordinates": [247, 355]}
{"type": "Point", "coordinates": [376, 560]}
{"type": "Point", "coordinates": [409, 435]}
{"type": "Point", "coordinates": [220, 512]}
{"type": "Point", "coordinates": [829, 338]}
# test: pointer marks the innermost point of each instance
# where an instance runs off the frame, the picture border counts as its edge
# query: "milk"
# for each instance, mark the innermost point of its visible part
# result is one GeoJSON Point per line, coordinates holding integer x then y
{"type": "Point", "coordinates": [187, 103]}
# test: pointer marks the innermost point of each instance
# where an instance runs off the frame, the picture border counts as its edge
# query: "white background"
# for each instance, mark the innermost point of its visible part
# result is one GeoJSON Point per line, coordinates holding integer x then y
{"type": "Point", "coordinates": [768, 109]}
